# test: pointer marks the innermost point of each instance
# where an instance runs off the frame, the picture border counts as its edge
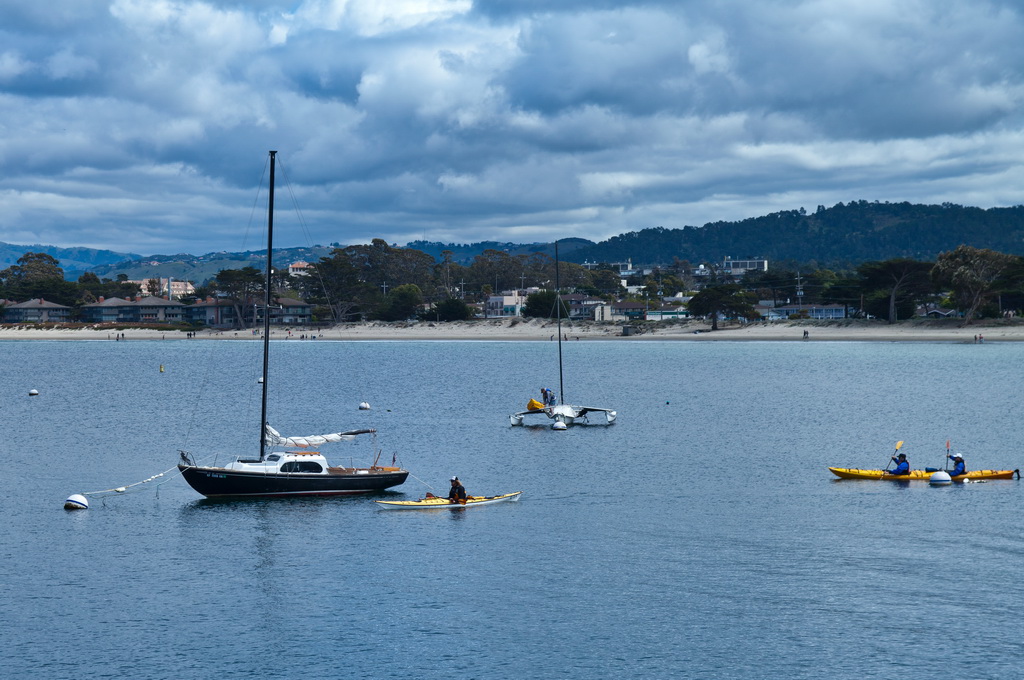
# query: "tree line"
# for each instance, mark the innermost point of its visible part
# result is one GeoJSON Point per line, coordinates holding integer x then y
{"type": "Point", "coordinates": [385, 282]}
{"type": "Point", "coordinates": [367, 281]}
{"type": "Point", "coordinates": [974, 282]}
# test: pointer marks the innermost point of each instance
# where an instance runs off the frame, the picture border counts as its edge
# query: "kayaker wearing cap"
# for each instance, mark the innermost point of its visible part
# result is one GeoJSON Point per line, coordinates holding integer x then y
{"type": "Point", "coordinates": [959, 466]}
{"type": "Point", "coordinates": [902, 466]}
{"type": "Point", "coordinates": [458, 492]}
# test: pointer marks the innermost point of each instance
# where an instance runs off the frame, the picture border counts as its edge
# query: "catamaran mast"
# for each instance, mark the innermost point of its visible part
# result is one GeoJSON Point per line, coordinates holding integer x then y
{"type": "Point", "coordinates": [558, 307]}
{"type": "Point", "coordinates": [266, 307]}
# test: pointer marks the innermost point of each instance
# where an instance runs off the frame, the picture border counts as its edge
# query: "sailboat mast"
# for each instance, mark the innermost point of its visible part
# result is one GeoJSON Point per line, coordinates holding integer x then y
{"type": "Point", "coordinates": [558, 307]}
{"type": "Point", "coordinates": [266, 307]}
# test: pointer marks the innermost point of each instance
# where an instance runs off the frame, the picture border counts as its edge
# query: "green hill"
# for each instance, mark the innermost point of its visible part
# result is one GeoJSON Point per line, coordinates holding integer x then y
{"type": "Point", "coordinates": [78, 259]}
{"type": "Point", "coordinates": [844, 234]}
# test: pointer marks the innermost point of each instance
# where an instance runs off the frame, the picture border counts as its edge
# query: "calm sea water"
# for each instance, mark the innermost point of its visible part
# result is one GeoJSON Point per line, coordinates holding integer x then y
{"type": "Point", "coordinates": [700, 537]}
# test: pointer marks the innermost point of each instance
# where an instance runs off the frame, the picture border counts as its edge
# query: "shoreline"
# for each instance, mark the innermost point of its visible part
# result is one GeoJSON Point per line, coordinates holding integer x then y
{"type": "Point", "coordinates": [505, 330]}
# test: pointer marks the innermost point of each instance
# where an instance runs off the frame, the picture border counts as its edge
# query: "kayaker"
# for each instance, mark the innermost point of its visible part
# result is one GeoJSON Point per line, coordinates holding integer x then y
{"type": "Point", "coordinates": [902, 466]}
{"type": "Point", "coordinates": [458, 492]}
{"type": "Point", "coordinates": [959, 467]}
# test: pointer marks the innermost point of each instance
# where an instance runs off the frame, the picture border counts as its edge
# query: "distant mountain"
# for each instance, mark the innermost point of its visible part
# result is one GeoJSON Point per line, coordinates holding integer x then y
{"type": "Point", "coordinates": [77, 259]}
{"type": "Point", "coordinates": [839, 237]}
{"type": "Point", "coordinates": [201, 268]}
{"type": "Point", "coordinates": [463, 253]}
{"type": "Point", "coordinates": [843, 235]}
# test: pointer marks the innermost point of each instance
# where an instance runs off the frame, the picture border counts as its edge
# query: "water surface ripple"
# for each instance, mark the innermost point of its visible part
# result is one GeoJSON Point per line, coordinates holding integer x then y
{"type": "Point", "coordinates": [700, 537]}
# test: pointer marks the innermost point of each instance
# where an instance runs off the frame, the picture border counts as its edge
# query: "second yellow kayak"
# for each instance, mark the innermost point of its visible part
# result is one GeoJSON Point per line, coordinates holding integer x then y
{"type": "Point", "coordinates": [924, 475]}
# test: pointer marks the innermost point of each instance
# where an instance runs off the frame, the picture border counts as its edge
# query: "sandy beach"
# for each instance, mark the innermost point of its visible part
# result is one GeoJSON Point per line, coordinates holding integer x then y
{"type": "Point", "coordinates": [945, 330]}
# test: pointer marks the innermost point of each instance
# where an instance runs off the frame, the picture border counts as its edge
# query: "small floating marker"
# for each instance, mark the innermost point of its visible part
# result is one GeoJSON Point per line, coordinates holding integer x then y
{"type": "Point", "coordinates": [76, 502]}
{"type": "Point", "coordinates": [33, 393]}
{"type": "Point", "coordinates": [121, 489]}
{"type": "Point", "coordinates": [364, 406]}
{"type": "Point", "coordinates": [260, 381]}
{"type": "Point", "coordinates": [940, 478]}
{"type": "Point", "coordinates": [559, 425]}
{"type": "Point", "coordinates": [161, 368]}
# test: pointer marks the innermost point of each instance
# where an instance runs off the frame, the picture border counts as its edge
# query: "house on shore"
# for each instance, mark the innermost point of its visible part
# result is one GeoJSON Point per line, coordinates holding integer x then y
{"type": "Point", "coordinates": [150, 309]}
{"type": "Point", "coordinates": [807, 311]}
{"type": "Point", "coordinates": [36, 310]}
{"type": "Point", "coordinates": [621, 311]}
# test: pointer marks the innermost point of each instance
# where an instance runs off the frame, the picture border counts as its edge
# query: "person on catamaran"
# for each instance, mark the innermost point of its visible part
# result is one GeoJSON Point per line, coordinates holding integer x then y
{"type": "Point", "coordinates": [458, 492]}
{"type": "Point", "coordinates": [959, 466]}
{"type": "Point", "coordinates": [551, 398]}
{"type": "Point", "coordinates": [902, 465]}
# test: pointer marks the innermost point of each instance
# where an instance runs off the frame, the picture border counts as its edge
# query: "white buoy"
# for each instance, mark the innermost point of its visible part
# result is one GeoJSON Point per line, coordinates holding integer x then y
{"type": "Point", "coordinates": [76, 502]}
{"type": "Point", "coordinates": [559, 425]}
{"type": "Point", "coordinates": [33, 393]}
{"type": "Point", "coordinates": [364, 406]}
{"type": "Point", "coordinates": [940, 478]}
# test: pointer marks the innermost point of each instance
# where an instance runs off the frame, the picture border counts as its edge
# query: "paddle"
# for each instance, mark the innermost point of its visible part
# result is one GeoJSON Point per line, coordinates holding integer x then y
{"type": "Point", "coordinates": [945, 463]}
{"type": "Point", "coordinates": [898, 445]}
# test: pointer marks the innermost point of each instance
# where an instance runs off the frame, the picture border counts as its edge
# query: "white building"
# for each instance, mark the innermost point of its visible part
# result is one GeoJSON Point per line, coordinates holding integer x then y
{"type": "Point", "coordinates": [738, 268]}
{"type": "Point", "coordinates": [172, 288]}
{"type": "Point", "coordinates": [508, 303]}
{"type": "Point", "coordinates": [300, 268]}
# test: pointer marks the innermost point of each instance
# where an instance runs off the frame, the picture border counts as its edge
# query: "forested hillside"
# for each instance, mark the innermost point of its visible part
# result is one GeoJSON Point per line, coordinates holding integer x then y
{"type": "Point", "coordinates": [463, 253]}
{"type": "Point", "coordinates": [843, 235]}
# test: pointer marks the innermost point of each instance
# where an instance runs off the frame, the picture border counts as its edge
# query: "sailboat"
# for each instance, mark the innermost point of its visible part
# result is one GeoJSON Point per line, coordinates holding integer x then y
{"type": "Point", "coordinates": [561, 413]}
{"type": "Point", "coordinates": [285, 467]}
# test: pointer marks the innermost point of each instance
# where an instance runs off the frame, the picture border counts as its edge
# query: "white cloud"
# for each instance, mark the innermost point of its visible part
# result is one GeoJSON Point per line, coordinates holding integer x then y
{"type": "Point", "coordinates": [12, 65]}
{"type": "Point", "coordinates": [373, 18]}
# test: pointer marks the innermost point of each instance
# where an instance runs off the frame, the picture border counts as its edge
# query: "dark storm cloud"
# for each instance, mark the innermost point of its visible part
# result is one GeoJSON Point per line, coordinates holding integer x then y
{"type": "Point", "coordinates": [143, 125]}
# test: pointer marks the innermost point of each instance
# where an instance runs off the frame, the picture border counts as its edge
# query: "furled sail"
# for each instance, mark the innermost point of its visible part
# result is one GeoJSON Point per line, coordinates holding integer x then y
{"type": "Point", "coordinates": [274, 438]}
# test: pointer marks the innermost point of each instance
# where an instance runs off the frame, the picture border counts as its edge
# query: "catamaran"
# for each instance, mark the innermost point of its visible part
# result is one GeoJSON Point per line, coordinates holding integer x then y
{"type": "Point", "coordinates": [561, 413]}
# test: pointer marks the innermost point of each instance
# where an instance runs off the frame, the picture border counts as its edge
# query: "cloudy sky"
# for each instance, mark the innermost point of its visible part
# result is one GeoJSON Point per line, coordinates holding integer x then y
{"type": "Point", "coordinates": [143, 125]}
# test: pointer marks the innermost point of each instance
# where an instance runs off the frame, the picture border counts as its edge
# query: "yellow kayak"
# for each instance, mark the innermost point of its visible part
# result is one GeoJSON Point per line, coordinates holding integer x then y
{"type": "Point", "coordinates": [435, 502]}
{"type": "Point", "coordinates": [925, 475]}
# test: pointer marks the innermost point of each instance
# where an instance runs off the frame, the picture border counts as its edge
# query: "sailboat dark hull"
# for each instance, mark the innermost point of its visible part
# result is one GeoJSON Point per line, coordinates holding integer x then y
{"type": "Point", "coordinates": [224, 483]}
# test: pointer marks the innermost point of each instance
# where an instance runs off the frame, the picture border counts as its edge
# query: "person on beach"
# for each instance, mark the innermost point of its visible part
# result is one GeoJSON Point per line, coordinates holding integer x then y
{"type": "Point", "coordinates": [457, 494]}
{"type": "Point", "coordinates": [959, 466]}
{"type": "Point", "coordinates": [902, 465]}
